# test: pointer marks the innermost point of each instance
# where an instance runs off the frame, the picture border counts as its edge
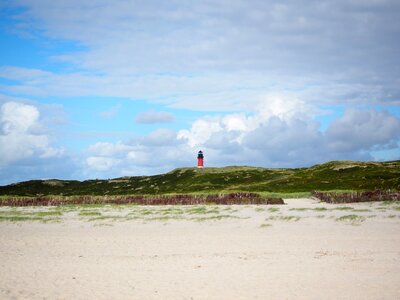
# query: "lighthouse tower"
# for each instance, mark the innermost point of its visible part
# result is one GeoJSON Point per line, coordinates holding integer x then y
{"type": "Point", "coordinates": [200, 158]}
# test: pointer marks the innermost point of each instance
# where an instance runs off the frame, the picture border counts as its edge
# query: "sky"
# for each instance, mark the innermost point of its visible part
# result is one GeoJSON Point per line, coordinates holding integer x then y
{"type": "Point", "coordinates": [103, 89]}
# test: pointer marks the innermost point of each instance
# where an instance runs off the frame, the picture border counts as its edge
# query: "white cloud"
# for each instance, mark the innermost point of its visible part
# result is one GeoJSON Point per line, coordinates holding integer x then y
{"type": "Point", "coordinates": [158, 151]}
{"type": "Point", "coordinates": [362, 129]}
{"type": "Point", "coordinates": [99, 163]}
{"type": "Point", "coordinates": [201, 130]}
{"type": "Point", "coordinates": [22, 135]}
{"type": "Point", "coordinates": [160, 137]}
{"type": "Point", "coordinates": [109, 149]}
{"type": "Point", "coordinates": [181, 54]}
{"type": "Point", "coordinates": [153, 117]}
{"type": "Point", "coordinates": [282, 106]}
{"type": "Point", "coordinates": [282, 134]}
{"type": "Point", "coordinates": [18, 118]}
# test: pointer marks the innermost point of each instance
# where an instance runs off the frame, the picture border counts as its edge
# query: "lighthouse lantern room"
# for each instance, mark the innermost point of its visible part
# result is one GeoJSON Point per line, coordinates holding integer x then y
{"type": "Point", "coordinates": [200, 159]}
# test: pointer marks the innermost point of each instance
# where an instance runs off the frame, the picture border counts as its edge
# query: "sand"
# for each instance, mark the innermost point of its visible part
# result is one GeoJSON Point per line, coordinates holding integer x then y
{"type": "Point", "coordinates": [258, 255]}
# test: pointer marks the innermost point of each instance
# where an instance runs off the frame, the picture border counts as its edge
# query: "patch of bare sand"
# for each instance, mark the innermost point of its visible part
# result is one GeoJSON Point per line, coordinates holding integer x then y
{"type": "Point", "coordinates": [312, 258]}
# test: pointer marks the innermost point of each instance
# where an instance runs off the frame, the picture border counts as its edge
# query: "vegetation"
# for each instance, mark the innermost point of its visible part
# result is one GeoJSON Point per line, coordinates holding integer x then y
{"type": "Point", "coordinates": [350, 197]}
{"type": "Point", "coordinates": [336, 175]}
{"type": "Point", "coordinates": [120, 213]}
{"type": "Point", "coordinates": [284, 218]}
{"type": "Point", "coordinates": [21, 215]}
{"type": "Point", "coordinates": [185, 199]}
{"type": "Point", "coordinates": [351, 218]}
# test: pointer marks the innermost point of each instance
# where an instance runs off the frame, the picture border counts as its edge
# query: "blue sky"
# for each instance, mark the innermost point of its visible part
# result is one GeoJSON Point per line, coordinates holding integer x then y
{"type": "Point", "coordinates": [122, 88]}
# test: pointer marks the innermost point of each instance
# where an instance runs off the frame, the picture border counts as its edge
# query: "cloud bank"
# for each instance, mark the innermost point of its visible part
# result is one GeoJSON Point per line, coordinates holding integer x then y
{"type": "Point", "coordinates": [216, 55]}
{"type": "Point", "coordinates": [283, 137]}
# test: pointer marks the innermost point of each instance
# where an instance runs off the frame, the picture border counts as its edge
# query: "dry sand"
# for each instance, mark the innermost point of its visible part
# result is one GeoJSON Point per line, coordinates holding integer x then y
{"type": "Point", "coordinates": [315, 257]}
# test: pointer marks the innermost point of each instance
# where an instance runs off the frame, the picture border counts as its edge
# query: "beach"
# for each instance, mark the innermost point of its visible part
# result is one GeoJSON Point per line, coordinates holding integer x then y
{"type": "Point", "coordinates": [302, 250]}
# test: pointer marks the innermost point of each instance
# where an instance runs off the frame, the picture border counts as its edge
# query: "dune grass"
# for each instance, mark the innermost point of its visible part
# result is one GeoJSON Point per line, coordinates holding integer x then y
{"type": "Point", "coordinates": [283, 218]}
{"type": "Point", "coordinates": [29, 216]}
{"type": "Point", "coordinates": [273, 209]}
{"type": "Point", "coordinates": [354, 219]}
{"type": "Point", "coordinates": [264, 225]}
{"type": "Point", "coordinates": [336, 176]}
{"type": "Point", "coordinates": [105, 213]}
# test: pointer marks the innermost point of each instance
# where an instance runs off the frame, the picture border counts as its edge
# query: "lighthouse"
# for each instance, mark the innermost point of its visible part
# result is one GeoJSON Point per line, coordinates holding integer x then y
{"type": "Point", "coordinates": [200, 158]}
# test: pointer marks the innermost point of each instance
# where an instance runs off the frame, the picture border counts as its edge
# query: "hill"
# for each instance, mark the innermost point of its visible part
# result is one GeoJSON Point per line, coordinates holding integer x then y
{"type": "Point", "coordinates": [335, 175]}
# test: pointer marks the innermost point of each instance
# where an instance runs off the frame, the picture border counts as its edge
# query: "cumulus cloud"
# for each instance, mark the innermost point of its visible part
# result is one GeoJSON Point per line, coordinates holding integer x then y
{"type": "Point", "coordinates": [279, 135]}
{"type": "Point", "coordinates": [201, 130]}
{"type": "Point", "coordinates": [27, 149]}
{"type": "Point", "coordinates": [158, 151]}
{"type": "Point", "coordinates": [362, 129]}
{"type": "Point", "coordinates": [289, 136]}
{"type": "Point", "coordinates": [282, 133]}
{"type": "Point", "coordinates": [22, 134]}
{"type": "Point", "coordinates": [160, 137]}
{"type": "Point", "coordinates": [153, 117]}
{"type": "Point", "coordinates": [99, 163]}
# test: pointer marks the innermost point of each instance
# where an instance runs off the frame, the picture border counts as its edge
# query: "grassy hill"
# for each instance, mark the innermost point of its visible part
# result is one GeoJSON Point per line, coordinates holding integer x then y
{"type": "Point", "coordinates": [335, 175]}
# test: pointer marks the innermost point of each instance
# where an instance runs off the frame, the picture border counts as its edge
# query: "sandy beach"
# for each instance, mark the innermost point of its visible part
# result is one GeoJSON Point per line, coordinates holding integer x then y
{"type": "Point", "coordinates": [302, 250]}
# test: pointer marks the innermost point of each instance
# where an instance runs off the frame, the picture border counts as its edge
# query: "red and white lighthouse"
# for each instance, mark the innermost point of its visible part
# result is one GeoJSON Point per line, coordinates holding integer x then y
{"type": "Point", "coordinates": [200, 159]}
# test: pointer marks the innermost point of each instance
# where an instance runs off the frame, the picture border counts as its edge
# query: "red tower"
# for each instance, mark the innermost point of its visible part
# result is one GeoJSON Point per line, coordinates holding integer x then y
{"type": "Point", "coordinates": [200, 158]}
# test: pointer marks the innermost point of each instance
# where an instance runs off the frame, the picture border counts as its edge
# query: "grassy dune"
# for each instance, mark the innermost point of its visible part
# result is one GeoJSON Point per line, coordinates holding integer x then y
{"type": "Point", "coordinates": [336, 175]}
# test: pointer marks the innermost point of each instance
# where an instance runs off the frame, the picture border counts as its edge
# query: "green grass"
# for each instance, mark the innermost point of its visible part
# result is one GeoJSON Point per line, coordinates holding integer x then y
{"type": "Point", "coordinates": [320, 209]}
{"type": "Point", "coordinates": [48, 213]}
{"type": "Point", "coordinates": [146, 212]}
{"type": "Point", "coordinates": [265, 225]}
{"type": "Point", "coordinates": [229, 209]}
{"type": "Point", "coordinates": [307, 209]}
{"type": "Point", "coordinates": [164, 218]}
{"type": "Point", "coordinates": [343, 208]}
{"type": "Point", "coordinates": [107, 218]}
{"type": "Point", "coordinates": [172, 211]}
{"type": "Point", "coordinates": [361, 210]}
{"type": "Point", "coordinates": [284, 218]}
{"type": "Point", "coordinates": [200, 210]}
{"type": "Point", "coordinates": [32, 215]}
{"type": "Point", "coordinates": [89, 213]}
{"type": "Point", "coordinates": [273, 209]}
{"type": "Point", "coordinates": [163, 214]}
{"type": "Point", "coordinates": [19, 218]}
{"type": "Point", "coordinates": [336, 176]}
{"type": "Point", "coordinates": [214, 218]}
{"type": "Point", "coordinates": [390, 202]}
{"type": "Point", "coordinates": [351, 218]}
